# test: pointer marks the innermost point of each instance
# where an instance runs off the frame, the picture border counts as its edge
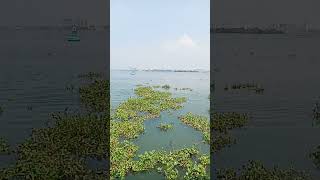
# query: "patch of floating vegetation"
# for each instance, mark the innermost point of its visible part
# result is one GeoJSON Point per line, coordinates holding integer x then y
{"type": "Point", "coordinates": [165, 127]}
{"type": "Point", "coordinates": [249, 86]}
{"type": "Point", "coordinates": [220, 126]}
{"type": "Point", "coordinates": [167, 163]}
{"type": "Point", "coordinates": [222, 122]}
{"type": "Point", "coordinates": [186, 89]}
{"type": "Point", "coordinates": [166, 86]}
{"type": "Point", "coordinates": [60, 151]}
{"type": "Point", "coordinates": [127, 123]}
{"type": "Point", "coordinates": [315, 156]}
{"type": "Point", "coordinates": [4, 147]}
{"type": "Point", "coordinates": [91, 75]}
{"type": "Point", "coordinates": [255, 170]}
{"type": "Point", "coordinates": [156, 86]}
{"type": "Point", "coordinates": [316, 113]}
{"type": "Point", "coordinates": [149, 103]}
{"type": "Point", "coordinates": [95, 95]}
{"type": "Point", "coordinates": [198, 122]}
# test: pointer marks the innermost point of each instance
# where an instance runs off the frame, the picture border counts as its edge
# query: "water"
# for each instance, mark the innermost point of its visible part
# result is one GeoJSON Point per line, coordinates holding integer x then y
{"type": "Point", "coordinates": [35, 68]}
{"type": "Point", "coordinates": [122, 87]}
{"type": "Point", "coordinates": [280, 130]}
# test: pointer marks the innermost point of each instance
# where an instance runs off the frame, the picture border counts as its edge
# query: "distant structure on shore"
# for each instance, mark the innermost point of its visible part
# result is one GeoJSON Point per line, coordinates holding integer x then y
{"type": "Point", "coordinates": [66, 24]}
{"type": "Point", "coordinates": [170, 70]}
{"type": "Point", "coordinates": [271, 29]}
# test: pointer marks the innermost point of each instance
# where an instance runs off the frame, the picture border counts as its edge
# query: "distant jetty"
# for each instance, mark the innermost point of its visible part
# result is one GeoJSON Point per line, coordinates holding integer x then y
{"type": "Point", "coordinates": [170, 70]}
{"type": "Point", "coordinates": [56, 27]}
{"type": "Point", "coordinates": [243, 30]}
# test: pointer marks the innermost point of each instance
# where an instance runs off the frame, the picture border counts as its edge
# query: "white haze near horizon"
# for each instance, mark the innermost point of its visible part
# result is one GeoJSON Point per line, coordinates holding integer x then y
{"type": "Point", "coordinates": [160, 34]}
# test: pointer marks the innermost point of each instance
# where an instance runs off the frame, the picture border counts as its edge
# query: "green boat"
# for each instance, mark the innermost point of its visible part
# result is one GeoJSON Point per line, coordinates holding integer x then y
{"type": "Point", "coordinates": [74, 35]}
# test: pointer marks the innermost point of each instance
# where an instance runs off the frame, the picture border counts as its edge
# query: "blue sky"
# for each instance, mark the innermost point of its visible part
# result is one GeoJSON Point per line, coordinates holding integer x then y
{"type": "Point", "coordinates": [172, 34]}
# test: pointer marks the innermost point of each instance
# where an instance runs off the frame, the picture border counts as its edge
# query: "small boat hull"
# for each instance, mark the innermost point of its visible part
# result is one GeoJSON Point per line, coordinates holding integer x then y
{"type": "Point", "coordinates": [73, 37]}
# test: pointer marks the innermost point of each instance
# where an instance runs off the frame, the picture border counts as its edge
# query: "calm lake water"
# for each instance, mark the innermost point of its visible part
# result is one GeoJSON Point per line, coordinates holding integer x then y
{"type": "Point", "coordinates": [280, 130]}
{"type": "Point", "coordinates": [122, 87]}
{"type": "Point", "coordinates": [35, 68]}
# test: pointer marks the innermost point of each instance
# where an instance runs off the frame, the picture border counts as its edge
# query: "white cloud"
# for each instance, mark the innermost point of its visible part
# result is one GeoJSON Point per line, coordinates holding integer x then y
{"type": "Point", "coordinates": [186, 41]}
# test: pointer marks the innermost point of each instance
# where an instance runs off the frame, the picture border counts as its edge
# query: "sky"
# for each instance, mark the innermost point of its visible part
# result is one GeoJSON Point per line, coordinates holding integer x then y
{"type": "Point", "coordinates": [261, 12]}
{"type": "Point", "coordinates": [161, 34]}
{"type": "Point", "coordinates": [52, 12]}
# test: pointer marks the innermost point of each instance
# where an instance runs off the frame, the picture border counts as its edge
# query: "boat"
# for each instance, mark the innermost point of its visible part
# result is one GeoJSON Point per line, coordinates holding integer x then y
{"type": "Point", "coordinates": [74, 36]}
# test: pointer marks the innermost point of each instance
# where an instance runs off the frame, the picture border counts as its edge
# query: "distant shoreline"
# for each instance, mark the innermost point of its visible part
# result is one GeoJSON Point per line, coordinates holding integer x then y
{"type": "Point", "coordinates": [246, 31]}
{"type": "Point", "coordinates": [162, 70]}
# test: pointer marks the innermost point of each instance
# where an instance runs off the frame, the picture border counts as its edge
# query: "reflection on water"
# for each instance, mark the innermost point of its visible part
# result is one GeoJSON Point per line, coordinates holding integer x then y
{"type": "Point", "coordinates": [33, 82]}
{"type": "Point", "coordinates": [280, 130]}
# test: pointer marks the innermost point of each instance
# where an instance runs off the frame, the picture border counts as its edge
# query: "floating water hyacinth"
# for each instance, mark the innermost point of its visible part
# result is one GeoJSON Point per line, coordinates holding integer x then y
{"type": "Point", "coordinates": [165, 127]}
{"type": "Point", "coordinates": [258, 89]}
{"type": "Point", "coordinates": [127, 123]}
{"type": "Point", "coordinates": [91, 75]}
{"type": "Point", "coordinates": [315, 157]}
{"type": "Point", "coordinates": [59, 151]}
{"type": "Point", "coordinates": [200, 123]}
{"type": "Point", "coordinates": [168, 163]}
{"type": "Point", "coordinates": [95, 95]}
{"type": "Point", "coordinates": [4, 147]}
{"type": "Point", "coordinates": [166, 87]}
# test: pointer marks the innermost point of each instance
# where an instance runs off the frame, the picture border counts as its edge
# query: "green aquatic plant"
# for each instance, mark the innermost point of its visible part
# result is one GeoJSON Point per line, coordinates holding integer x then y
{"type": "Point", "coordinates": [4, 147]}
{"type": "Point", "coordinates": [61, 150]}
{"type": "Point", "coordinates": [166, 87]}
{"type": "Point", "coordinates": [156, 86]}
{"type": "Point", "coordinates": [250, 86]}
{"type": "Point", "coordinates": [127, 122]}
{"type": "Point", "coordinates": [91, 75]}
{"type": "Point", "coordinates": [147, 105]}
{"type": "Point", "coordinates": [165, 127]}
{"type": "Point", "coordinates": [255, 170]}
{"type": "Point", "coordinates": [220, 126]}
{"type": "Point", "coordinates": [121, 159]}
{"type": "Point", "coordinates": [127, 129]}
{"type": "Point", "coordinates": [198, 122]}
{"type": "Point", "coordinates": [315, 156]}
{"type": "Point", "coordinates": [222, 122]}
{"type": "Point", "coordinates": [58, 152]}
{"type": "Point", "coordinates": [168, 163]}
{"type": "Point", "coordinates": [95, 95]}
